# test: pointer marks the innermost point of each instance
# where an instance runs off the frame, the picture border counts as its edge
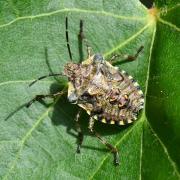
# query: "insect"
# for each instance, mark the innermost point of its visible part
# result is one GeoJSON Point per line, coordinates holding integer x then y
{"type": "Point", "coordinates": [104, 92]}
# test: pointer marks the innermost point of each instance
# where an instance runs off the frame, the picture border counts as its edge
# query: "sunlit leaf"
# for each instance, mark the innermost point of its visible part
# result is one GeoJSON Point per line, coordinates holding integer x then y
{"type": "Point", "coordinates": [40, 142]}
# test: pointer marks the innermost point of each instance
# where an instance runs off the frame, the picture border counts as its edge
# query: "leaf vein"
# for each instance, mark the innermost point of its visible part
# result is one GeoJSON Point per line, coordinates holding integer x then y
{"type": "Point", "coordinates": [9, 141]}
{"type": "Point", "coordinates": [20, 81]}
{"type": "Point", "coordinates": [128, 40]}
{"type": "Point", "coordinates": [172, 8]}
{"type": "Point", "coordinates": [62, 138]}
{"type": "Point", "coordinates": [118, 142]}
{"type": "Point", "coordinates": [148, 71]}
{"type": "Point", "coordinates": [141, 153]}
{"type": "Point", "coordinates": [45, 150]}
{"type": "Point", "coordinates": [169, 24]}
{"type": "Point", "coordinates": [72, 10]}
{"type": "Point", "coordinates": [165, 150]}
{"type": "Point", "coordinates": [24, 139]}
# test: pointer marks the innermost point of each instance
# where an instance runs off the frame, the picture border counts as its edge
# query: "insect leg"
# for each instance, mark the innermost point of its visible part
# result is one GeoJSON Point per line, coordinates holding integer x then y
{"type": "Point", "coordinates": [126, 57]}
{"type": "Point", "coordinates": [40, 97]}
{"type": "Point", "coordinates": [80, 134]}
{"type": "Point", "coordinates": [103, 141]}
{"type": "Point", "coordinates": [82, 37]}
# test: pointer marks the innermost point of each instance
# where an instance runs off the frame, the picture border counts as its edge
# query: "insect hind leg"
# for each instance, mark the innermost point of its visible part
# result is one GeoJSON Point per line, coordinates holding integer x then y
{"type": "Point", "coordinates": [80, 134]}
{"type": "Point", "coordinates": [126, 57]}
{"type": "Point", "coordinates": [103, 141]}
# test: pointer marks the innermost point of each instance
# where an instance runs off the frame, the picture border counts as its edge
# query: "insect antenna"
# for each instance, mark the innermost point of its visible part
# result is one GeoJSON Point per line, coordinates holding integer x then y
{"type": "Point", "coordinates": [67, 40]}
{"type": "Point", "coordinates": [83, 38]}
{"type": "Point", "coordinates": [43, 77]}
{"type": "Point", "coordinates": [80, 40]}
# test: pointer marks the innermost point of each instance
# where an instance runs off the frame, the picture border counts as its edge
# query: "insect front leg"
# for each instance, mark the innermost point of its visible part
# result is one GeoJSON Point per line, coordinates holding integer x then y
{"type": "Point", "coordinates": [40, 97]}
{"type": "Point", "coordinates": [103, 141]}
{"type": "Point", "coordinates": [80, 134]}
{"type": "Point", "coordinates": [126, 57]}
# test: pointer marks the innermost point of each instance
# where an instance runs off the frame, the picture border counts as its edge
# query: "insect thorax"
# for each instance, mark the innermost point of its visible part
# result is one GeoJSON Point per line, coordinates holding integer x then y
{"type": "Point", "coordinates": [106, 93]}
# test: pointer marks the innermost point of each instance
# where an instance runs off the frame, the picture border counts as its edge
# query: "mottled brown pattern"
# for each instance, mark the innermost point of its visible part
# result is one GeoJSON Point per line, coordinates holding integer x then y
{"type": "Point", "coordinates": [110, 95]}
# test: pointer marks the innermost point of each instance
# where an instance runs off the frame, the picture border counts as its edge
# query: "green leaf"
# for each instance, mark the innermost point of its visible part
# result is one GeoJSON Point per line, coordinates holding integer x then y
{"type": "Point", "coordinates": [40, 142]}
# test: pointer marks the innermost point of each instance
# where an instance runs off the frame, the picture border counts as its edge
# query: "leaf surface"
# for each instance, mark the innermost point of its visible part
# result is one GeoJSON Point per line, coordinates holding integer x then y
{"type": "Point", "coordinates": [40, 142]}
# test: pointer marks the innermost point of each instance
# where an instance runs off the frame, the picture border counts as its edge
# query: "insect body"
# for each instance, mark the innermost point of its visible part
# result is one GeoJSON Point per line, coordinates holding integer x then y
{"type": "Point", "coordinates": [104, 92]}
{"type": "Point", "coordinates": [109, 95]}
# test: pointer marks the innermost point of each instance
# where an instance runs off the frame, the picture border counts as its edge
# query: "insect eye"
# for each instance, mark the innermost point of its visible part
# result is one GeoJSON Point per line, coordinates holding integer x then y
{"type": "Point", "coordinates": [98, 58]}
{"type": "Point", "coordinates": [72, 98]}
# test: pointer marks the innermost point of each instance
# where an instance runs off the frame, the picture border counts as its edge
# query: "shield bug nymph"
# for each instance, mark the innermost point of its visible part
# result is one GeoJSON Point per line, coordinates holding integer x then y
{"type": "Point", "coordinates": [106, 93]}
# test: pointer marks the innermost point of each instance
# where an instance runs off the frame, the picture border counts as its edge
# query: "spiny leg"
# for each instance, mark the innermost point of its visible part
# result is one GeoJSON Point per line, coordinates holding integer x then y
{"type": "Point", "coordinates": [40, 97]}
{"type": "Point", "coordinates": [82, 37]}
{"type": "Point", "coordinates": [80, 134]}
{"type": "Point", "coordinates": [103, 141]}
{"type": "Point", "coordinates": [126, 57]}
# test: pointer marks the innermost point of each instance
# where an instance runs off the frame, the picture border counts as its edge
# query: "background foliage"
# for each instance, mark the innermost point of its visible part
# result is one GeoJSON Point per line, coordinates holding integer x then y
{"type": "Point", "coordinates": [40, 142]}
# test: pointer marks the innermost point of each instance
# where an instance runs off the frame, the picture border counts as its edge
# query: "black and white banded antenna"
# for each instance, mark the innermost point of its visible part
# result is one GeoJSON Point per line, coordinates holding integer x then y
{"type": "Point", "coordinates": [67, 40]}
